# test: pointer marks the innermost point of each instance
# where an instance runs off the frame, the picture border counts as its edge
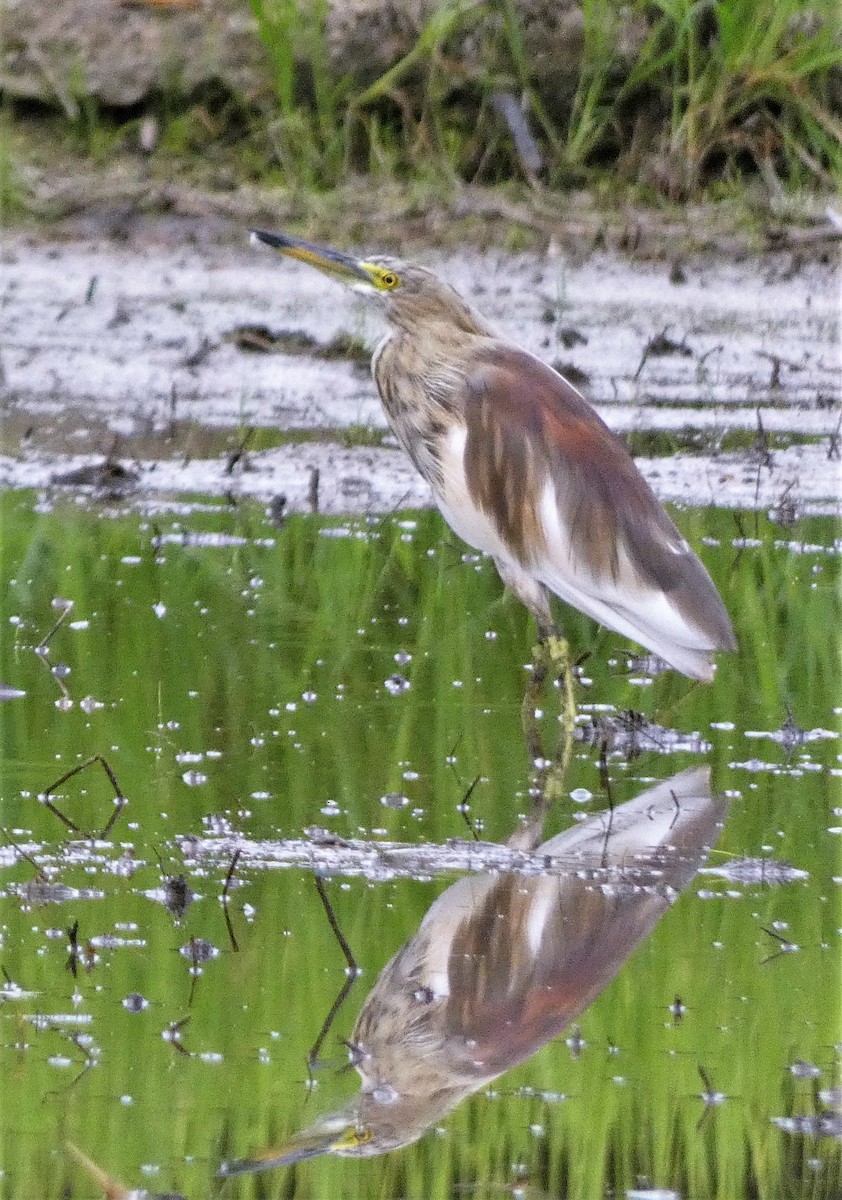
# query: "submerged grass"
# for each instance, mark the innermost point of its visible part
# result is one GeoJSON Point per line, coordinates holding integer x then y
{"type": "Point", "coordinates": [191, 649]}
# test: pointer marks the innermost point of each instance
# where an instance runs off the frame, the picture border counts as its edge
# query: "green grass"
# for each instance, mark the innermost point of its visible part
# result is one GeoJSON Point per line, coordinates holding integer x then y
{"type": "Point", "coordinates": [730, 88]}
{"type": "Point", "coordinates": [719, 92]}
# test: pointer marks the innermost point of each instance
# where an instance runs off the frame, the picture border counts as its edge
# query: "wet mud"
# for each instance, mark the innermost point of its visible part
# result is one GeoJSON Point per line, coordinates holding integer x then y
{"type": "Point", "coordinates": [212, 368]}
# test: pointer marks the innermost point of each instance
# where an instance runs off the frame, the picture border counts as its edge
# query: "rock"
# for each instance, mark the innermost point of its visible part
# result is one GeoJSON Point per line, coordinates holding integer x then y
{"type": "Point", "coordinates": [121, 54]}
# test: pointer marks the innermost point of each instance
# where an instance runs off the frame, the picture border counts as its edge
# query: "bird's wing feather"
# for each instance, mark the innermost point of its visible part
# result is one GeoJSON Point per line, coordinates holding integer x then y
{"type": "Point", "coordinates": [598, 536]}
{"type": "Point", "coordinates": [534, 951]}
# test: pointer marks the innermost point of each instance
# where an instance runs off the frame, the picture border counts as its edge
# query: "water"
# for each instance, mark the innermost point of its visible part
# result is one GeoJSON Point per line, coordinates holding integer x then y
{"type": "Point", "coordinates": [305, 694]}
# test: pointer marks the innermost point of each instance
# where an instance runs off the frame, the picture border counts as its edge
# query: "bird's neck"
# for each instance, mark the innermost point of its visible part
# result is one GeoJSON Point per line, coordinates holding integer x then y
{"type": "Point", "coordinates": [411, 316]}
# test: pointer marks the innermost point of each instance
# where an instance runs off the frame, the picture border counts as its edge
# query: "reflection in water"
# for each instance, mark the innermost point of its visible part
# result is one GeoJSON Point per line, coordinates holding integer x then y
{"type": "Point", "coordinates": [502, 963]}
{"type": "Point", "coordinates": [112, 1189]}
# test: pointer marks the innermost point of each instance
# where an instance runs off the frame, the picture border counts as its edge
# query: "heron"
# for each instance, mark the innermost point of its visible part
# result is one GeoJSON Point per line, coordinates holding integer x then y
{"type": "Point", "coordinates": [523, 468]}
{"type": "Point", "coordinates": [502, 963]}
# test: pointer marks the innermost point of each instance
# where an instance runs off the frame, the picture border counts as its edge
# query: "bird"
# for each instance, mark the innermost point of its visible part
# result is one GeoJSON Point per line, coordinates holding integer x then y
{"type": "Point", "coordinates": [503, 962]}
{"type": "Point", "coordinates": [523, 469]}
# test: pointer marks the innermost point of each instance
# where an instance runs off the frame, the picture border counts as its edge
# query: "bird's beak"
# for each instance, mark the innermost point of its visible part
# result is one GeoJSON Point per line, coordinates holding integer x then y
{"type": "Point", "coordinates": [333, 1134]}
{"type": "Point", "coordinates": [331, 262]}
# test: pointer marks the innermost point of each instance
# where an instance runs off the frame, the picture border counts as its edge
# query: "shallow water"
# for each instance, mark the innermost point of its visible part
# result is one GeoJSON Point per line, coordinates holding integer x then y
{"type": "Point", "coordinates": [345, 696]}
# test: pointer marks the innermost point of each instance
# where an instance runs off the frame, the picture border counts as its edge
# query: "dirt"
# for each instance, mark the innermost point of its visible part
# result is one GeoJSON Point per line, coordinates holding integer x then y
{"type": "Point", "coordinates": [145, 369]}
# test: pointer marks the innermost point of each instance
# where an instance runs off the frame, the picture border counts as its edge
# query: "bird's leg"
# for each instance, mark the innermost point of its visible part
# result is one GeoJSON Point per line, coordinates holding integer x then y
{"type": "Point", "coordinates": [529, 707]}
{"type": "Point", "coordinates": [557, 650]}
{"type": "Point", "coordinates": [551, 653]}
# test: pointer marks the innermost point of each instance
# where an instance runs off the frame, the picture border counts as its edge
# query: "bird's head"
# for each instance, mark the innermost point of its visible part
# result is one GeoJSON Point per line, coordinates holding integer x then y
{"type": "Point", "coordinates": [376, 276]}
{"type": "Point", "coordinates": [413, 293]}
{"type": "Point", "coordinates": [362, 1129]}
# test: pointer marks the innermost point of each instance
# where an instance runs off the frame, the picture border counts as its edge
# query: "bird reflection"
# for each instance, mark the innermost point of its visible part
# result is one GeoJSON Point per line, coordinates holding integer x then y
{"type": "Point", "coordinates": [503, 963]}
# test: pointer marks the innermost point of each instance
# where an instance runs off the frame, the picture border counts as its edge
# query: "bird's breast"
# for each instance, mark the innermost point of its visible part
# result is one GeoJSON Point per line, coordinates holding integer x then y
{"type": "Point", "coordinates": [417, 394]}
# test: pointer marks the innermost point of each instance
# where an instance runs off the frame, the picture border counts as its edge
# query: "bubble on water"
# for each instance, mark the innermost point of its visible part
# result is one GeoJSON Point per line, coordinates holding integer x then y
{"type": "Point", "coordinates": [804, 1070]}
{"type": "Point", "coordinates": [59, 1060]}
{"type": "Point", "coordinates": [309, 697]}
{"type": "Point", "coordinates": [160, 610]}
{"type": "Point", "coordinates": [396, 685]}
{"type": "Point", "coordinates": [199, 950]}
{"type": "Point", "coordinates": [394, 800]}
{"type": "Point", "coordinates": [135, 1003]}
{"type": "Point", "coordinates": [403, 657]}
{"type": "Point", "coordinates": [88, 704]}
{"type": "Point", "coordinates": [194, 778]}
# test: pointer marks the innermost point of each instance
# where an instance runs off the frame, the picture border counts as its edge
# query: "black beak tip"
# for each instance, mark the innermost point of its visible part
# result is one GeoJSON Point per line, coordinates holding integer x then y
{"type": "Point", "coordinates": [260, 237]}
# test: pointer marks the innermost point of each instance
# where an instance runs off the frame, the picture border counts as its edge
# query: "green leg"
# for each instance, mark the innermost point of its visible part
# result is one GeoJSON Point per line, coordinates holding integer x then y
{"type": "Point", "coordinates": [558, 652]}
{"type": "Point", "coordinates": [550, 656]}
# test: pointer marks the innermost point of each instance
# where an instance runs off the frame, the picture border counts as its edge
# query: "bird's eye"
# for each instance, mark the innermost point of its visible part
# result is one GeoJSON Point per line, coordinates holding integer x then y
{"type": "Point", "coordinates": [388, 279]}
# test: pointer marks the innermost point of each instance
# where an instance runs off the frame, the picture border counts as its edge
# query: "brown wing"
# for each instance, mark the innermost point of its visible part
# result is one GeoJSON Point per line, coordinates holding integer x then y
{"type": "Point", "coordinates": [536, 951]}
{"type": "Point", "coordinates": [527, 427]}
{"type": "Point", "coordinates": [507, 1002]}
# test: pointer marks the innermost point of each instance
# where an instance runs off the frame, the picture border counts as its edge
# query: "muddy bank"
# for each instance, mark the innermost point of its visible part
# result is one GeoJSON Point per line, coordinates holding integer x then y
{"type": "Point", "coordinates": [150, 370]}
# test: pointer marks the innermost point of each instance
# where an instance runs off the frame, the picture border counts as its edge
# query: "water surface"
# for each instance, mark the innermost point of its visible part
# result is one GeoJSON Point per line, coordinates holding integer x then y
{"type": "Point", "coordinates": [246, 682]}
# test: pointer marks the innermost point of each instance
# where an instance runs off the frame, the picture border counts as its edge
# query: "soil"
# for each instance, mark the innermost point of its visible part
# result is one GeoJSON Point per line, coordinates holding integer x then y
{"type": "Point", "coordinates": [179, 364]}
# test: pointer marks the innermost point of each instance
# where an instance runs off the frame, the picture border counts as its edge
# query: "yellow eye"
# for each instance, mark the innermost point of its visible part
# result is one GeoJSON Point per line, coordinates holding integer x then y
{"type": "Point", "coordinates": [352, 1138]}
{"type": "Point", "coordinates": [389, 279]}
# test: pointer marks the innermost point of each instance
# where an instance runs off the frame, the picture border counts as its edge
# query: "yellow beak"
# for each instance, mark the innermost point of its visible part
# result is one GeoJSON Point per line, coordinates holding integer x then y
{"type": "Point", "coordinates": [331, 262]}
{"type": "Point", "coordinates": [335, 1133]}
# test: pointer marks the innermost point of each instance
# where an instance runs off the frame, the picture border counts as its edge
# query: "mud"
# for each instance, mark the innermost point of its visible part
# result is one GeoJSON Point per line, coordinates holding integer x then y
{"type": "Point", "coordinates": [127, 371]}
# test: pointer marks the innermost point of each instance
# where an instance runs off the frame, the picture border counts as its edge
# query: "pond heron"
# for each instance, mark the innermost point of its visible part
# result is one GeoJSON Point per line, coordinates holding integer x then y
{"type": "Point", "coordinates": [523, 469]}
{"type": "Point", "coordinates": [503, 962]}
